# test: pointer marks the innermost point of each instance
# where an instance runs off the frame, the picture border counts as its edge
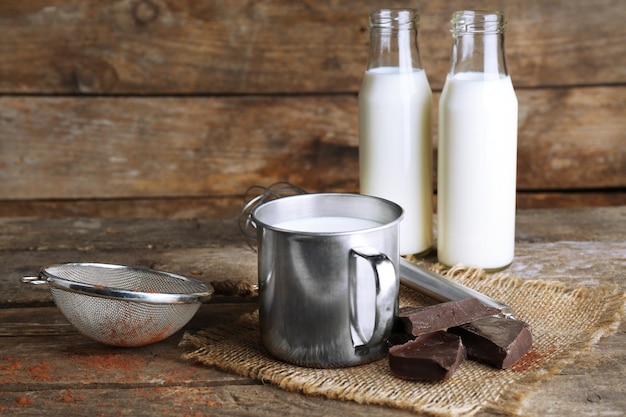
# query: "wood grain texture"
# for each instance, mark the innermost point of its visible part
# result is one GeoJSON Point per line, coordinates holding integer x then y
{"type": "Point", "coordinates": [229, 207]}
{"type": "Point", "coordinates": [77, 148]}
{"type": "Point", "coordinates": [175, 147]}
{"type": "Point", "coordinates": [46, 367]}
{"type": "Point", "coordinates": [194, 401]}
{"type": "Point", "coordinates": [175, 208]}
{"type": "Point", "coordinates": [150, 108]}
{"type": "Point", "coordinates": [548, 244]}
{"type": "Point", "coordinates": [245, 46]}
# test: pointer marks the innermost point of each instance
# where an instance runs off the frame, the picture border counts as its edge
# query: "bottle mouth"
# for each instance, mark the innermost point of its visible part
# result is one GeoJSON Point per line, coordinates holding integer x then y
{"type": "Point", "coordinates": [477, 22]}
{"type": "Point", "coordinates": [396, 19]}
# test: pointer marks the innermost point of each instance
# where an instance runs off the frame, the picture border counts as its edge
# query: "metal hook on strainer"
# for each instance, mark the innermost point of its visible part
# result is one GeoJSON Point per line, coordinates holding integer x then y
{"type": "Point", "coordinates": [257, 195]}
{"type": "Point", "coordinates": [122, 305]}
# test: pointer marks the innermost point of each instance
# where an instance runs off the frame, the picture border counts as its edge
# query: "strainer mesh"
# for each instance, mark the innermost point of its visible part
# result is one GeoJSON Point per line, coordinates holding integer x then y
{"type": "Point", "coordinates": [126, 278]}
{"type": "Point", "coordinates": [121, 322]}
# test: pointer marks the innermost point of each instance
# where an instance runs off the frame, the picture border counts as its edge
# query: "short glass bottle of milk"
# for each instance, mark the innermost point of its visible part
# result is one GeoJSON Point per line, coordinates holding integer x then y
{"type": "Point", "coordinates": [395, 144]}
{"type": "Point", "coordinates": [477, 150]}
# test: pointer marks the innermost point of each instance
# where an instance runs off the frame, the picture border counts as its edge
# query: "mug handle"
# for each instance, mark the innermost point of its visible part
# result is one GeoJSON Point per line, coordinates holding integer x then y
{"type": "Point", "coordinates": [386, 282]}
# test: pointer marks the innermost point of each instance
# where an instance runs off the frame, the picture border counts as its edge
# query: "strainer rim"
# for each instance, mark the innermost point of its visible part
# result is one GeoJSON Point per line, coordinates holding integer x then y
{"type": "Point", "coordinates": [121, 294]}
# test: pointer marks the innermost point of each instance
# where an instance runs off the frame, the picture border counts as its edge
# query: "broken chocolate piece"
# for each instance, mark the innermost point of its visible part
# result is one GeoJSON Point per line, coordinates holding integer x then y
{"type": "Point", "coordinates": [496, 341]}
{"type": "Point", "coordinates": [430, 357]}
{"type": "Point", "coordinates": [422, 320]}
{"type": "Point", "coordinates": [398, 338]}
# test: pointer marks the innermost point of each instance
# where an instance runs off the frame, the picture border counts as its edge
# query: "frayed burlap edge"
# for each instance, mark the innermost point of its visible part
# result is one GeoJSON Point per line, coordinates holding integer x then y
{"type": "Point", "coordinates": [606, 322]}
{"type": "Point", "coordinates": [567, 321]}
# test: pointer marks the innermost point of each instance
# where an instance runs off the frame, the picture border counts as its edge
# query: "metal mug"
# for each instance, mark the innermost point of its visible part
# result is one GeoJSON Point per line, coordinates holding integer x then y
{"type": "Point", "coordinates": [328, 285]}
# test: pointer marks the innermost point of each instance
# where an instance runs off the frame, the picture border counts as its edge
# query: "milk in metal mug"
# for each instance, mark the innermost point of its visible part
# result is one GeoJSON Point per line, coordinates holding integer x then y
{"type": "Point", "coordinates": [328, 277]}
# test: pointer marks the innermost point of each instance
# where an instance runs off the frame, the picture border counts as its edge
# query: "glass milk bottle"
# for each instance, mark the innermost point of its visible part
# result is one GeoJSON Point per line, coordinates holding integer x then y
{"type": "Point", "coordinates": [477, 153]}
{"type": "Point", "coordinates": [395, 144]}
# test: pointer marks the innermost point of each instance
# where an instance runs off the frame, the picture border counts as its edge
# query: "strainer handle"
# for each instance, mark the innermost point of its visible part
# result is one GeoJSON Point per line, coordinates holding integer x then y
{"type": "Point", "coordinates": [257, 195]}
{"type": "Point", "coordinates": [33, 280]}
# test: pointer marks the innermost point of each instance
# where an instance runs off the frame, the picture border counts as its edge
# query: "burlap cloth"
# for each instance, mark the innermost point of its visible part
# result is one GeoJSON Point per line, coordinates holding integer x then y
{"type": "Point", "coordinates": [566, 321]}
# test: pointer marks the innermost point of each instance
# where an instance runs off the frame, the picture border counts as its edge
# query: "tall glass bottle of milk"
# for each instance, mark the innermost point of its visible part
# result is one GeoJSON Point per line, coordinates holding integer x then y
{"type": "Point", "coordinates": [395, 144]}
{"type": "Point", "coordinates": [477, 153]}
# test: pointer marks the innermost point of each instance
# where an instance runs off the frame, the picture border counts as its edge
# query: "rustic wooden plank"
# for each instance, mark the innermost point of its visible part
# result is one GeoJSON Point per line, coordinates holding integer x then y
{"type": "Point", "coordinates": [577, 133]}
{"type": "Point", "coordinates": [194, 248]}
{"type": "Point", "coordinates": [72, 375]}
{"type": "Point", "coordinates": [194, 401]}
{"type": "Point", "coordinates": [576, 263]}
{"type": "Point", "coordinates": [159, 47]}
{"type": "Point", "coordinates": [599, 224]}
{"type": "Point", "coordinates": [206, 264]}
{"type": "Point", "coordinates": [73, 360]}
{"type": "Point", "coordinates": [93, 376]}
{"type": "Point", "coordinates": [105, 234]}
{"type": "Point", "coordinates": [129, 147]}
{"type": "Point", "coordinates": [594, 396]}
{"type": "Point", "coordinates": [174, 208]}
{"type": "Point", "coordinates": [581, 246]}
{"type": "Point", "coordinates": [102, 148]}
{"type": "Point", "coordinates": [229, 208]}
{"type": "Point", "coordinates": [594, 385]}
{"type": "Point", "coordinates": [565, 198]}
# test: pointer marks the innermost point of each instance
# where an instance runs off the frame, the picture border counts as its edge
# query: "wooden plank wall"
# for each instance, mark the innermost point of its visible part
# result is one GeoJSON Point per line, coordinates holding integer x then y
{"type": "Point", "coordinates": [146, 108]}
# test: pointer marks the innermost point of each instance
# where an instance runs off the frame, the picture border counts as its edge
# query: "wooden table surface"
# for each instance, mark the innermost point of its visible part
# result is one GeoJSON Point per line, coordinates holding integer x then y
{"type": "Point", "coordinates": [47, 368]}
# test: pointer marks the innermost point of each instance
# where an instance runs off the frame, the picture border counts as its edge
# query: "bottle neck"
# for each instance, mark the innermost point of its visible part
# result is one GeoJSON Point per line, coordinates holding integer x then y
{"type": "Point", "coordinates": [478, 43]}
{"type": "Point", "coordinates": [393, 40]}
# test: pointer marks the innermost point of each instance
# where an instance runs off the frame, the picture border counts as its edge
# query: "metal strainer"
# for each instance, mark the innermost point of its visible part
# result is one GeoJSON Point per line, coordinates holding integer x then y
{"type": "Point", "coordinates": [122, 305]}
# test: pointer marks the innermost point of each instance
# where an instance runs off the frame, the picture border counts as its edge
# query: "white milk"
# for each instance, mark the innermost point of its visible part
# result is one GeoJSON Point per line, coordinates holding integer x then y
{"type": "Point", "coordinates": [328, 224]}
{"type": "Point", "coordinates": [395, 149]}
{"type": "Point", "coordinates": [476, 171]}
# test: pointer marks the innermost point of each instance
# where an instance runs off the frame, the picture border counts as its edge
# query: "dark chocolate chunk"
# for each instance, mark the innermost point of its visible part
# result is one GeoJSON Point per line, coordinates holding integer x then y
{"type": "Point", "coordinates": [430, 357]}
{"type": "Point", "coordinates": [398, 338]}
{"type": "Point", "coordinates": [422, 320]}
{"type": "Point", "coordinates": [496, 341]}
